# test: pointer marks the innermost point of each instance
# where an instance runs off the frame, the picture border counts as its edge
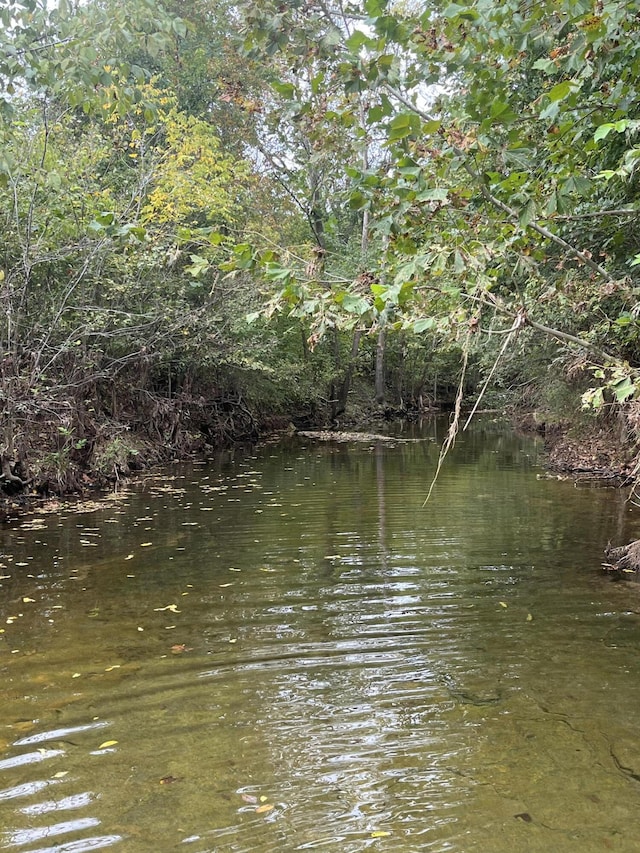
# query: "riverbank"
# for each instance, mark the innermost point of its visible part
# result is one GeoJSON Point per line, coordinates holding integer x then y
{"type": "Point", "coordinates": [84, 447]}
{"type": "Point", "coordinates": [602, 448]}
{"type": "Point", "coordinates": [87, 449]}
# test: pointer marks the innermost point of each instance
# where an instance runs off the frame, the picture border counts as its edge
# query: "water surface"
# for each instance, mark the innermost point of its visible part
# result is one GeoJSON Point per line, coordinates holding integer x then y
{"type": "Point", "coordinates": [287, 651]}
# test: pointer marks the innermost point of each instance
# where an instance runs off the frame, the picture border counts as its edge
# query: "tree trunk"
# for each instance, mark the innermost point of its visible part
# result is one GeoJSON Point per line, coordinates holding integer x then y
{"type": "Point", "coordinates": [379, 376]}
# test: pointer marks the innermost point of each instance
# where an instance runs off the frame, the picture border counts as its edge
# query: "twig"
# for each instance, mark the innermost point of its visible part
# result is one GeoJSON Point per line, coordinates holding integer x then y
{"type": "Point", "coordinates": [453, 427]}
{"type": "Point", "coordinates": [518, 323]}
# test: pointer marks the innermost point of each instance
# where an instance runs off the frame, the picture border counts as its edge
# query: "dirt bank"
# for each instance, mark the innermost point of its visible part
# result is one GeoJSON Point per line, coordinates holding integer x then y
{"type": "Point", "coordinates": [84, 445]}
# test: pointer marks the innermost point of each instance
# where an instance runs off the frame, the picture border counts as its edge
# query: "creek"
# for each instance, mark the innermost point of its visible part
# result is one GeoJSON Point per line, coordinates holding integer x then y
{"type": "Point", "coordinates": [284, 650]}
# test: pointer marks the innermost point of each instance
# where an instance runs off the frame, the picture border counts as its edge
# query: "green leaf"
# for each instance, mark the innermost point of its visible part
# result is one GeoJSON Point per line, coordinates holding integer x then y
{"type": "Point", "coordinates": [547, 65]}
{"type": "Point", "coordinates": [374, 8]}
{"type": "Point", "coordinates": [435, 194]}
{"type": "Point", "coordinates": [355, 304]}
{"type": "Point", "coordinates": [528, 213]}
{"type": "Point", "coordinates": [424, 325]}
{"type": "Point", "coordinates": [287, 90]}
{"type": "Point", "coordinates": [198, 266]}
{"type": "Point", "coordinates": [605, 129]}
{"type": "Point", "coordinates": [430, 127]}
{"type": "Point", "coordinates": [403, 125]}
{"type": "Point", "coordinates": [562, 90]}
{"type": "Point", "coordinates": [357, 39]}
{"type": "Point", "coordinates": [624, 389]}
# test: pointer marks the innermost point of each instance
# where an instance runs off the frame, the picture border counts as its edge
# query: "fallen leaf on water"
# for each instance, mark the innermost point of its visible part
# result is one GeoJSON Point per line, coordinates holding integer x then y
{"type": "Point", "coordinates": [379, 833]}
{"type": "Point", "coordinates": [129, 557]}
{"type": "Point", "coordinates": [27, 600]}
{"type": "Point", "coordinates": [172, 607]}
{"type": "Point", "coordinates": [145, 544]}
{"type": "Point", "coordinates": [110, 668]}
{"type": "Point", "coordinates": [249, 798]}
{"type": "Point", "coordinates": [107, 743]}
{"type": "Point", "coordinates": [529, 617]}
{"type": "Point", "coordinates": [61, 774]}
{"type": "Point", "coordinates": [223, 585]}
{"type": "Point", "coordinates": [265, 808]}
{"type": "Point", "coordinates": [178, 648]}
{"type": "Point", "coordinates": [263, 799]}
{"type": "Point", "coordinates": [503, 604]}
{"type": "Point", "coordinates": [76, 675]}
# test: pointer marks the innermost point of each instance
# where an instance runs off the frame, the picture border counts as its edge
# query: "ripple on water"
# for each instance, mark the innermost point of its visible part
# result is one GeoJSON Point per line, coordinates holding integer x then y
{"type": "Point", "coordinates": [322, 663]}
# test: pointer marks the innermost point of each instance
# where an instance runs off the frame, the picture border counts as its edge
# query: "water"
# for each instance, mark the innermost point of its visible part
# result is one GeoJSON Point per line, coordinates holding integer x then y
{"type": "Point", "coordinates": [286, 651]}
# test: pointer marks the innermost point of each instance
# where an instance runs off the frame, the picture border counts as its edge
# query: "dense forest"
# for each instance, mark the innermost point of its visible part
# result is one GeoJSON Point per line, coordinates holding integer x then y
{"type": "Point", "coordinates": [221, 217]}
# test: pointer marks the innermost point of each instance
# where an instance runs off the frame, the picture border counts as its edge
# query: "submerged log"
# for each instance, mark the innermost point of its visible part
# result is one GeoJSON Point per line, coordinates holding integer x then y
{"type": "Point", "coordinates": [335, 435]}
{"type": "Point", "coordinates": [623, 560]}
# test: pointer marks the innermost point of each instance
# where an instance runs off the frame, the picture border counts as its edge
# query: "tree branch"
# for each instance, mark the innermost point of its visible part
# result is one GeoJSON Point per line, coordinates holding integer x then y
{"type": "Point", "coordinates": [497, 203]}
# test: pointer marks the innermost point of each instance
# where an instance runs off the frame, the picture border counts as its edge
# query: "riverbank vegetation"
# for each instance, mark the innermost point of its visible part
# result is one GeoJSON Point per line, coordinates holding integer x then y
{"type": "Point", "coordinates": [221, 217]}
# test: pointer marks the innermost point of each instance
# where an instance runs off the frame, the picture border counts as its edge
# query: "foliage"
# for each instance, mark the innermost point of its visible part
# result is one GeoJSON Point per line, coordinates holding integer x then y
{"type": "Point", "coordinates": [507, 174]}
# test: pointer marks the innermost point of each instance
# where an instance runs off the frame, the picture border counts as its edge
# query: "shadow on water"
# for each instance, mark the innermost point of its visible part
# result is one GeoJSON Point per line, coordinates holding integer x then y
{"type": "Point", "coordinates": [288, 651]}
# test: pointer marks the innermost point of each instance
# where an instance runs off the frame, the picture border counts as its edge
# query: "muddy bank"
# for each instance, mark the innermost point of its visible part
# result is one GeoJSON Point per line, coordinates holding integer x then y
{"type": "Point", "coordinates": [81, 446]}
{"type": "Point", "coordinates": [604, 449]}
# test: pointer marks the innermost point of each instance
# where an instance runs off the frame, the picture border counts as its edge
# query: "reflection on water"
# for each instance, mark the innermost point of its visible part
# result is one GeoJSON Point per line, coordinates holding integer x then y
{"type": "Point", "coordinates": [287, 651]}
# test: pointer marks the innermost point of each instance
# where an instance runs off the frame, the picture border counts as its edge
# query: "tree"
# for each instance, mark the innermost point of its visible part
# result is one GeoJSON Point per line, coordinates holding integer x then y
{"type": "Point", "coordinates": [510, 128]}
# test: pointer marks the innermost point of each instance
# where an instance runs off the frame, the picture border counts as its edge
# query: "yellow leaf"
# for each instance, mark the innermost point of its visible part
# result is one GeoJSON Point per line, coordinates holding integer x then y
{"type": "Point", "coordinates": [27, 600]}
{"type": "Point", "coordinates": [107, 743]}
{"type": "Point", "coordinates": [265, 808]}
{"type": "Point", "coordinates": [61, 774]}
{"type": "Point", "coordinates": [263, 799]}
{"type": "Point", "coordinates": [145, 544]}
{"type": "Point", "coordinates": [110, 668]}
{"type": "Point", "coordinates": [503, 604]}
{"type": "Point", "coordinates": [380, 833]}
{"type": "Point", "coordinates": [129, 557]}
{"type": "Point", "coordinates": [529, 617]}
{"type": "Point", "coordinates": [223, 585]}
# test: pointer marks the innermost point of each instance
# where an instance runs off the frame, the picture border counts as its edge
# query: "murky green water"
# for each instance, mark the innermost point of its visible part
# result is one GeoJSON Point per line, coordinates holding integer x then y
{"type": "Point", "coordinates": [287, 652]}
